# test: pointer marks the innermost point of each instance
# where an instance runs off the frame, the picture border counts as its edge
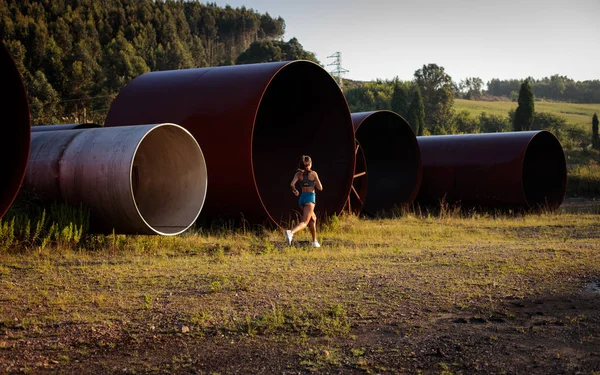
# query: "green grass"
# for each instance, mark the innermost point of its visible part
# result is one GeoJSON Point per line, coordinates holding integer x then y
{"type": "Point", "coordinates": [577, 114]}
{"type": "Point", "coordinates": [241, 287]}
{"type": "Point", "coordinates": [401, 273]}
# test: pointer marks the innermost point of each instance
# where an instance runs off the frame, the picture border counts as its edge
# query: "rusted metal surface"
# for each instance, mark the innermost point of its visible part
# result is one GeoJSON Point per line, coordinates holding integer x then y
{"type": "Point", "coordinates": [147, 179]}
{"type": "Point", "coordinates": [393, 160]}
{"type": "Point", "coordinates": [360, 183]}
{"type": "Point", "coordinates": [496, 170]}
{"type": "Point", "coordinates": [15, 133]}
{"type": "Point", "coordinates": [49, 128]}
{"type": "Point", "coordinates": [252, 122]}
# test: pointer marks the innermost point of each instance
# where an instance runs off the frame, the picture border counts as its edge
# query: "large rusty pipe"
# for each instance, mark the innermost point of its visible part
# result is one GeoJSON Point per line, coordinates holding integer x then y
{"type": "Point", "coordinates": [15, 133]}
{"type": "Point", "coordinates": [148, 179]}
{"type": "Point", "coordinates": [252, 122]}
{"type": "Point", "coordinates": [496, 170]}
{"type": "Point", "coordinates": [49, 128]}
{"type": "Point", "coordinates": [393, 160]}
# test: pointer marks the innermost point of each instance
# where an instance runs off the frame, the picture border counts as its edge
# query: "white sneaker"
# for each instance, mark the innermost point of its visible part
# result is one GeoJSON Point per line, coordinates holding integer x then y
{"type": "Point", "coordinates": [316, 244]}
{"type": "Point", "coordinates": [288, 237]}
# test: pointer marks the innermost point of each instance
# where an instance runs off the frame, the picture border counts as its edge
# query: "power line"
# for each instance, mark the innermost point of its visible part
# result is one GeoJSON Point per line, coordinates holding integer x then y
{"type": "Point", "coordinates": [36, 119]}
{"type": "Point", "coordinates": [79, 99]}
{"type": "Point", "coordinates": [338, 71]}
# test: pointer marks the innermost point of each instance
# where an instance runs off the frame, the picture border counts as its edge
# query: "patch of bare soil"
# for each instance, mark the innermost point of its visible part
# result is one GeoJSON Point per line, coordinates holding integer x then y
{"type": "Point", "coordinates": [545, 335]}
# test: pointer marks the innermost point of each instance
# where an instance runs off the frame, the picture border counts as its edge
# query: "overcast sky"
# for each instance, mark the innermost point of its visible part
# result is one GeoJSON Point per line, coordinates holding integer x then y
{"type": "Point", "coordinates": [469, 38]}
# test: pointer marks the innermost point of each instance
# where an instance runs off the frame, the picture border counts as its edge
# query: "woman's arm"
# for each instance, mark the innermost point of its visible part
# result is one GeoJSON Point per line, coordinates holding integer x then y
{"type": "Point", "coordinates": [318, 184]}
{"type": "Point", "coordinates": [293, 184]}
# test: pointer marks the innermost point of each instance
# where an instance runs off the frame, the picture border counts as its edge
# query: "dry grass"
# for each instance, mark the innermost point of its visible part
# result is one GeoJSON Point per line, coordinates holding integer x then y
{"type": "Point", "coordinates": [381, 271]}
{"type": "Point", "coordinates": [252, 282]}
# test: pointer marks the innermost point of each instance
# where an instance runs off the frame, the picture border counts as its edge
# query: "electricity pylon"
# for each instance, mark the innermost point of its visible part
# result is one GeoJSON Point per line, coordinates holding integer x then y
{"type": "Point", "coordinates": [338, 71]}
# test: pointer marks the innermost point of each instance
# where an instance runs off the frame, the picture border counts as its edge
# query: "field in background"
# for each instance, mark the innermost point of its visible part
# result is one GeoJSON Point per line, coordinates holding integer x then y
{"type": "Point", "coordinates": [439, 294]}
{"type": "Point", "coordinates": [578, 114]}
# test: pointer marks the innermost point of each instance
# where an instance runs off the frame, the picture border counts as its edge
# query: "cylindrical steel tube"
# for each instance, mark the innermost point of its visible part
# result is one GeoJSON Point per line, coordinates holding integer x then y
{"type": "Point", "coordinates": [148, 179]}
{"type": "Point", "coordinates": [253, 122]}
{"type": "Point", "coordinates": [49, 128]}
{"type": "Point", "coordinates": [15, 133]}
{"type": "Point", "coordinates": [392, 157]}
{"type": "Point", "coordinates": [495, 170]}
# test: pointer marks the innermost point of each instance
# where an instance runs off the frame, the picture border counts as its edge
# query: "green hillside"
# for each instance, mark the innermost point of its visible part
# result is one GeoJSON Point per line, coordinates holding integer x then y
{"type": "Point", "coordinates": [74, 56]}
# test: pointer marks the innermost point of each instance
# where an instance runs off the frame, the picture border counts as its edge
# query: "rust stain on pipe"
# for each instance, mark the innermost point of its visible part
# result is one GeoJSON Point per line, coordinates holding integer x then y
{"type": "Point", "coordinates": [147, 179]}
{"type": "Point", "coordinates": [252, 122]}
{"type": "Point", "coordinates": [495, 170]}
{"type": "Point", "coordinates": [393, 159]}
{"type": "Point", "coordinates": [15, 130]}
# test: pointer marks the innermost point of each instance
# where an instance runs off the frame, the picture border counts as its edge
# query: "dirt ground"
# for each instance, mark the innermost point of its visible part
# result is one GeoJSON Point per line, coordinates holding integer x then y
{"type": "Point", "coordinates": [409, 296]}
{"type": "Point", "coordinates": [553, 335]}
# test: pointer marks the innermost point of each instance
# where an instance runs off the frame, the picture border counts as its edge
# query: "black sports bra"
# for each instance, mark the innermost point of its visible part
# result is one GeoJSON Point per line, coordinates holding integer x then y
{"type": "Point", "coordinates": [306, 182]}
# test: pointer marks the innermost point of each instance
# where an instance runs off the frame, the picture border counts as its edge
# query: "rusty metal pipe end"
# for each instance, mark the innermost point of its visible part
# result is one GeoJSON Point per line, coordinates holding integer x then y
{"type": "Point", "coordinates": [147, 179]}
{"type": "Point", "coordinates": [544, 172]}
{"type": "Point", "coordinates": [168, 178]}
{"type": "Point", "coordinates": [252, 122]}
{"type": "Point", "coordinates": [302, 112]}
{"type": "Point", "coordinates": [15, 133]}
{"type": "Point", "coordinates": [393, 159]}
{"type": "Point", "coordinates": [512, 170]}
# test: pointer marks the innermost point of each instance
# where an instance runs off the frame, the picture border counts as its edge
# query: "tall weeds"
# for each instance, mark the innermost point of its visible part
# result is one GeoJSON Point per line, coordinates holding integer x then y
{"type": "Point", "coordinates": [28, 226]}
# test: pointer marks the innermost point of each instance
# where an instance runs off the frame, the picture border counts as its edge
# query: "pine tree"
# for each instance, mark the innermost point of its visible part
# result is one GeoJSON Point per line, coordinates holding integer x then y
{"type": "Point", "coordinates": [399, 101]}
{"type": "Point", "coordinates": [524, 113]}
{"type": "Point", "coordinates": [416, 112]}
{"type": "Point", "coordinates": [595, 140]}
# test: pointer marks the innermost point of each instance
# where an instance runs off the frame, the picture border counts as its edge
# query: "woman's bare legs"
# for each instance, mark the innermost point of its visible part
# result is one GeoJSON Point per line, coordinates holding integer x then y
{"type": "Point", "coordinates": [308, 219]}
{"type": "Point", "coordinates": [312, 226]}
{"type": "Point", "coordinates": [307, 215]}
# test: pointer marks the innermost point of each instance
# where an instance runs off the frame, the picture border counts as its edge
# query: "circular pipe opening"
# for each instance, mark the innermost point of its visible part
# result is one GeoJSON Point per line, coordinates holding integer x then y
{"type": "Point", "coordinates": [302, 112]}
{"type": "Point", "coordinates": [393, 160]}
{"type": "Point", "coordinates": [168, 179]}
{"type": "Point", "coordinates": [544, 172]}
{"type": "Point", "coordinates": [15, 132]}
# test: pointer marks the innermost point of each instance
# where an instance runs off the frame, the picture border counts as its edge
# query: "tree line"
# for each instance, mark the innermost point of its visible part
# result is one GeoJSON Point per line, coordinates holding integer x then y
{"type": "Point", "coordinates": [427, 101]}
{"type": "Point", "coordinates": [556, 88]}
{"type": "Point", "coordinates": [75, 55]}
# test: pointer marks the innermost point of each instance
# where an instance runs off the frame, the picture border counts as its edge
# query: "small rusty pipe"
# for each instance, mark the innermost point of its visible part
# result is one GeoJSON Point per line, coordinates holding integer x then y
{"type": "Point", "coordinates": [393, 159]}
{"type": "Point", "coordinates": [253, 122]}
{"type": "Point", "coordinates": [147, 179]}
{"type": "Point", "coordinates": [524, 170]}
{"type": "Point", "coordinates": [15, 133]}
{"type": "Point", "coordinates": [49, 128]}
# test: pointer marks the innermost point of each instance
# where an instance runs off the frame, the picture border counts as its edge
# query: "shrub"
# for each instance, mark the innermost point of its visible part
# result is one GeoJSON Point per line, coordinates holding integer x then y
{"type": "Point", "coordinates": [584, 181]}
{"type": "Point", "coordinates": [464, 123]}
{"type": "Point", "coordinates": [493, 123]}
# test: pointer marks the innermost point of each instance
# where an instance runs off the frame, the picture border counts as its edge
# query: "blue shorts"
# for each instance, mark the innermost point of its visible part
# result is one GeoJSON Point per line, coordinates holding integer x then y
{"type": "Point", "coordinates": [307, 197]}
